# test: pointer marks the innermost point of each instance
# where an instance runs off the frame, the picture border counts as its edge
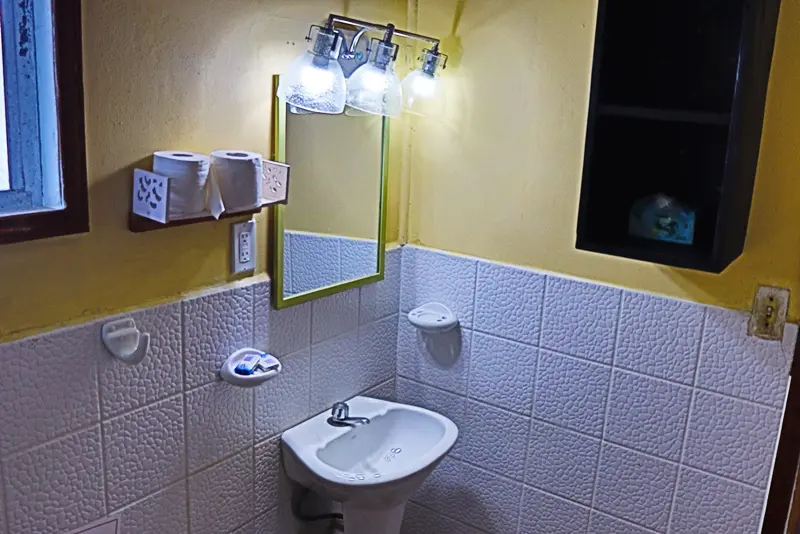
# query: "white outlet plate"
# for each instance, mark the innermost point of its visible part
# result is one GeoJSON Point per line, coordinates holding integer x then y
{"type": "Point", "coordinates": [243, 247]}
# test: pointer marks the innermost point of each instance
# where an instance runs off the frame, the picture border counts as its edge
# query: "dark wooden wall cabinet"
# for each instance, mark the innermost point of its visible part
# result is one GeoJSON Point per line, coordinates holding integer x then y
{"type": "Point", "coordinates": [677, 105]}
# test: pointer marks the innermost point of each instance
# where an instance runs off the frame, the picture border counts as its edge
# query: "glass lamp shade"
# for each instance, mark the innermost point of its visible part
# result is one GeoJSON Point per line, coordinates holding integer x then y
{"type": "Point", "coordinates": [423, 93]}
{"type": "Point", "coordinates": [314, 83]}
{"type": "Point", "coordinates": [375, 90]}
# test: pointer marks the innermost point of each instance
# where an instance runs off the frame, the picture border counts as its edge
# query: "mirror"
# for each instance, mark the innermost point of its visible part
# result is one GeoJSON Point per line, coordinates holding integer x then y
{"type": "Point", "coordinates": [330, 237]}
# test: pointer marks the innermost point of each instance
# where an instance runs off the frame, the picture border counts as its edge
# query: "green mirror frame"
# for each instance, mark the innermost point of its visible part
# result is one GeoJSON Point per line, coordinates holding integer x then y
{"type": "Point", "coordinates": [277, 222]}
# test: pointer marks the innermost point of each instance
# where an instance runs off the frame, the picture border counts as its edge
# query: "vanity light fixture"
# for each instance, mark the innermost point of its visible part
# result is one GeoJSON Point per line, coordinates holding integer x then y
{"type": "Point", "coordinates": [316, 82]}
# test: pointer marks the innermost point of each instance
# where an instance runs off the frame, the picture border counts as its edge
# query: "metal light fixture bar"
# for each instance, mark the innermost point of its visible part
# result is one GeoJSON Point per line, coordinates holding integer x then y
{"type": "Point", "coordinates": [364, 26]}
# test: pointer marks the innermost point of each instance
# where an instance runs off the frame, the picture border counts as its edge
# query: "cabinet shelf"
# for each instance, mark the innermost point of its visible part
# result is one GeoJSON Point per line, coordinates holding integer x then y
{"type": "Point", "coordinates": [668, 115]}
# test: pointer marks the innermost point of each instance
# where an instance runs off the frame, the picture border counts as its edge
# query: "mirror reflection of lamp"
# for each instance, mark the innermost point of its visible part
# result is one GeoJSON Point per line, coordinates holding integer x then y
{"type": "Point", "coordinates": [315, 81]}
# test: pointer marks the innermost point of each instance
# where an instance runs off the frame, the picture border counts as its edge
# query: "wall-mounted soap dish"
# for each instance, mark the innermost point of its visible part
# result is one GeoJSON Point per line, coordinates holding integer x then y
{"type": "Point", "coordinates": [249, 368]}
{"type": "Point", "coordinates": [433, 318]}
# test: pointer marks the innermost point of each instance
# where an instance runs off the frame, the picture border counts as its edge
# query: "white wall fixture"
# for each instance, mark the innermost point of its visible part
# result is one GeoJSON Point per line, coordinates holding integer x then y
{"type": "Point", "coordinates": [124, 341]}
{"type": "Point", "coordinates": [316, 81]}
{"type": "Point", "coordinates": [249, 368]}
{"type": "Point", "coordinates": [433, 318]}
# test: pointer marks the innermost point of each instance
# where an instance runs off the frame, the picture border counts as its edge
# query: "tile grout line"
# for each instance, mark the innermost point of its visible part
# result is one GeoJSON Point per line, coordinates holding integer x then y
{"type": "Point", "coordinates": [533, 401]}
{"type": "Point", "coordinates": [682, 457]}
{"type": "Point", "coordinates": [607, 407]}
{"type": "Point", "coordinates": [187, 505]}
{"type": "Point", "coordinates": [103, 456]}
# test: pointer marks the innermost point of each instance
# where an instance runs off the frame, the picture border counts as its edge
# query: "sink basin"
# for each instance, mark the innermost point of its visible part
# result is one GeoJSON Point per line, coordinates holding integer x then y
{"type": "Point", "coordinates": [372, 469]}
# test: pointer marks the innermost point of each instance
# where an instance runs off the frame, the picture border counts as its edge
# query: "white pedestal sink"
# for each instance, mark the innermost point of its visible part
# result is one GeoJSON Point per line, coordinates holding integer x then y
{"type": "Point", "coordinates": [371, 469]}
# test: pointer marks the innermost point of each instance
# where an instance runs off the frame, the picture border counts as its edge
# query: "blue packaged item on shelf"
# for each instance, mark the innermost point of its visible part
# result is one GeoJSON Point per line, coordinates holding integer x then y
{"type": "Point", "coordinates": [662, 218]}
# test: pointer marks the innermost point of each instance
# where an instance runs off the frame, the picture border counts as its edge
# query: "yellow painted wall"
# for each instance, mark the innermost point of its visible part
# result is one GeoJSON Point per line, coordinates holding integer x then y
{"type": "Point", "coordinates": [499, 176]}
{"type": "Point", "coordinates": [336, 172]}
{"type": "Point", "coordinates": [162, 74]}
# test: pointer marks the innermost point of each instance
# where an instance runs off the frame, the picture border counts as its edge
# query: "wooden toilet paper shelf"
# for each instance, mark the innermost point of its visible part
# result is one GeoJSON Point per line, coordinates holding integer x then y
{"type": "Point", "coordinates": [139, 224]}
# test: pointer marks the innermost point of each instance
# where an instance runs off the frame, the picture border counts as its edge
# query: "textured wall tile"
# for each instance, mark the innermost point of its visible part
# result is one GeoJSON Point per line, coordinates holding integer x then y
{"type": "Point", "coordinates": [56, 487]}
{"type": "Point", "coordinates": [126, 387]}
{"type": "Point", "coordinates": [359, 258]}
{"type": "Point", "coordinates": [659, 336]}
{"type": "Point", "coordinates": [316, 262]}
{"type": "Point", "coordinates": [705, 504]}
{"type": "Point", "coordinates": [377, 351]}
{"type": "Point", "coordinates": [430, 276]}
{"type": "Point", "coordinates": [219, 421]}
{"type": "Point", "coordinates": [350, 364]}
{"type": "Point", "coordinates": [439, 360]}
{"type": "Point", "coordinates": [545, 513]}
{"type": "Point", "coordinates": [287, 264]}
{"type": "Point", "coordinates": [262, 304]}
{"type": "Point", "coordinates": [334, 376]}
{"type": "Point", "coordinates": [162, 513]}
{"type": "Point", "coordinates": [732, 438]}
{"type": "Point", "coordinates": [214, 327]}
{"type": "Point", "coordinates": [419, 520]}
{"type": "Point", "coordinates": [283, 401]}
{"type": "Point", "coordinates": [386, 391]}
{"type": "Point", "coordinates": [604, 524]}
{"type": "Point", "coordinates": [268, 474]}
{"type": "Point", "coordinates": [272, 522]}
{"type": "Point", "coordinates": [509, 302]}
{"type": "Point", "coordinates": [580, 318]}
{"type": "Point", "coordinates": [647, 414]}
{"type": "Point", "coordinates": [333, 316]}
{"type": "Point", "coordinates": [495, 439]}
{"type": "Point", "coordinates": [571, 393]}
{"type": "Point", "coordinates": [635, 487]}
{"type": "Point", "coordinates": [48, 386]}
{"type": "Point", "coordinates": [746, 367]}
{"type": "Point", "coordinates": [382, 299]}
{"type": "Point", "coordinates": [477, 497]}
{"type": "Point", "coordinates": [290, 329]}
{"type": "Point", "coordinates": [222, 498]}
{"type": "Point", "coordinates": [502, 372]}
{"type": "Point", "coordinates": [452, 406]}
{"type": "Point", "coordinates": [144, 451]}
{"type": "Point", "coordinates": [562, 462]}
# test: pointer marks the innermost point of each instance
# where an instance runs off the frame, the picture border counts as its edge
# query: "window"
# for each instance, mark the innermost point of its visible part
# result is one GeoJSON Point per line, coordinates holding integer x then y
{"type": "Point", "coordinates": [43, 190]}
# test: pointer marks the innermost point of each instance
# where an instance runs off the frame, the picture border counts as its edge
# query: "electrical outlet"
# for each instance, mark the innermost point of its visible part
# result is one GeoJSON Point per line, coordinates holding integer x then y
{"type": "Point", "coordinates": [243, 251]}
{"type": "Point", "coordinates": [768, 317]}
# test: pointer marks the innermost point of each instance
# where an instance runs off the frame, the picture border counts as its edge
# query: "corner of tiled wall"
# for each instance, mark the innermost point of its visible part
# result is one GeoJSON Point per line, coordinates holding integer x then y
{"type": "Point", "coordinates": [587, 408]}
{"type": "Point", "coordinates": [165, 443]}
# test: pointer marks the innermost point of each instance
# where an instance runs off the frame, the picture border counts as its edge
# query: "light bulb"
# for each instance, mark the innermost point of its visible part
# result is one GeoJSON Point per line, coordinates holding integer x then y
{"type": "Point", "coordinates": [374, 87]}
{"type": "Point", "coordinates": [315, 80]}
{"type": "Point", "coordinates": [422, 91]}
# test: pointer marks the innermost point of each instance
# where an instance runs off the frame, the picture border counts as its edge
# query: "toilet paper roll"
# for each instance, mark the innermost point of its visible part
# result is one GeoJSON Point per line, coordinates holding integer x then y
{"type": "Point", "coordinates": [238, 176]}
{"type": "Point", "coordinates": [188, 173]}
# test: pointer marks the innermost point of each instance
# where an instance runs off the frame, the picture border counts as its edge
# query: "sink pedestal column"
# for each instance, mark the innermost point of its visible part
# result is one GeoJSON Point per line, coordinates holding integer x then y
{"type": "Point", "coordinates": [363, 521]}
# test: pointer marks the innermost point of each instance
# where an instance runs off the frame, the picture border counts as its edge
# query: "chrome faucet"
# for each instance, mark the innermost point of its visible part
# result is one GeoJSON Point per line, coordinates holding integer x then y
{"type": "Point", "coordinates": [340, 416]}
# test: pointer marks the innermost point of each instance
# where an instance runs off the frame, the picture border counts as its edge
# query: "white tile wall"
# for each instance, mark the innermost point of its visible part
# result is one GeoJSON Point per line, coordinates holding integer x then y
{"type": "Point", "coordinates": [166, 443]}
{"type": "Point", "coordinates": [587, 409]}
{"type": "Point", "coordinates": [313, 260]}
{"type": "Point", "coordinates": [581, 408]}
